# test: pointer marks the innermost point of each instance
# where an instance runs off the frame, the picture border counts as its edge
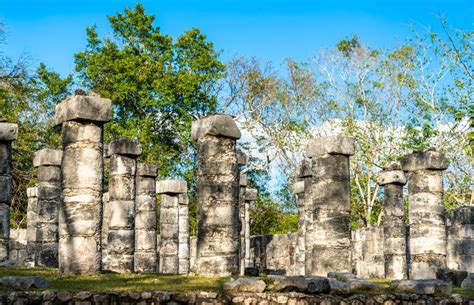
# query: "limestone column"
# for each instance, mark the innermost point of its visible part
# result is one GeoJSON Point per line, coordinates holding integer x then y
{"type": "Point", "coordinates": [31, 219]}
{"type": "Point", "coordinates": [105, 229]}
{"type": "Point", "coordinates": [48, 163]}
{"type": "Point", "coordinates": [392, 179]}
{"type": "Point", "coordinates": [427, 241]}
{"type": "Point", "coordinates": [173, 202]}
{"type": "Point", "coordinates": [122, 178]}
{"type": "Point", "coordinates": [242, 161]}
{"type": "Point", "coordinates": [82, 171]}
{"type": "Point", "coordinates": [331, 202]}
{"type": "Point", "coordinates": [217, 196]}
{"type": "Point", "coordinates": [298, 190]}
{"type": "Point", "coordinates": [145, 219]}
{"type": "Point", "coordinates": [250, 196]}
{"type": "Point", "coordinates": [8, 134]}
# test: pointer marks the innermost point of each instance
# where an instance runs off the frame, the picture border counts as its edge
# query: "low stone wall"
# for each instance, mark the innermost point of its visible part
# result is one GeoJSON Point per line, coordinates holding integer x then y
{"type": "Point", "coordinates": [18, 245]}
{"type": "Point", "coordinates": [460, 231]}
{"type": "Point", "coordinates": [367, 252]}
{"type": "Point", "coordinates": [163, 297]}
{"type": "Point", "coordinates": [274, 254]}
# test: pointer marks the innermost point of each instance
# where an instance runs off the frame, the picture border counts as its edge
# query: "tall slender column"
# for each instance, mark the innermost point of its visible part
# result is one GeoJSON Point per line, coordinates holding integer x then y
{"type": "Point", "coordinates": [105, 230]}
{"type": "Point", "coordinates": [298, 190]}
{"type": "Point", "coordinates": [250, 196]}
{"type": "Point", "coordinates": [82, 171]}
{"type": "Point", "coordinates": [173, 196]}
{"type": "Point", "coordinates": [145, 219]}
{"type": "Point", "coordinates": [48, 162]}
{"type": "Point", "coordinates": [8, 134]}
{"type": "Point", "coordinates": [427, 222]}
{"type": "Point", "coordinates": [31, 219]}
{"type": "Point", "coordinates": [305, 175]}
{"type": "Point", "coordinates": [242, 161]}
{"type": "Point", "coordinates": [330, 193]}
{"type": "Point", "coordinates": [217, 196]}
{"type": "Point", "coordinates": [121, 238]}
{"type": "Point", "coordinates": [392, 179]}
{"type": "Point", "coordinates": [183, 233]}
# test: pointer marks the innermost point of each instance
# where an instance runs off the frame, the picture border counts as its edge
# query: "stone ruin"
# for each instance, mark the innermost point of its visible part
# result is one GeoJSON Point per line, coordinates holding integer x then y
{"type": "Point", "coordinates": [82, 226]}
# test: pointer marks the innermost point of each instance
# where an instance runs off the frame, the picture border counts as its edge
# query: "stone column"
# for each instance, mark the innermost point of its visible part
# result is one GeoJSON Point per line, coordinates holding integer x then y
{"type": "Point", "coordinates": [121, 237]}
{"type": "Point", "coordinates": [48, 162]}
{"type": "Point", "coordinates": [8, 134]}
{"type": "Point", "coordinates": [392, 179]}
{"type": "Point", "coordinates": [250, 196]}
{"type": "Point", "coordinates": [242, 161]}
{"type": "Point", "coordinates": [82, 171]}
{"type": "Point", "coordinates": [427, 241]}
{"type": "Point", "coordinates": [217, 196]}
{"type": "Point", "coordinates": [145, 219]}
{"type": "Point", "coordinates": [173, 199]}
{"type": "Point", "coordinates": [31, 219]}
{"type": "Point", "coordinates": [330, 192]}
{"type": "Point", "coordinates": [105, 230]}
{"type": "Point", "coordinates": [305, 175]}
{"type": "Point", "coordinates": [298, 190]}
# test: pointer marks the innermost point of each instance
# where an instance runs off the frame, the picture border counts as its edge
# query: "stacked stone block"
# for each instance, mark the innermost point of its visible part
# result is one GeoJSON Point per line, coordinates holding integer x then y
{"type": "Point", "coordinates": [82, 171]}
{"type": "Point", "coordinates": [298, 190]}
{"type": "Point", "coordinates": [275, 254]}
{"type": "Point", "coordinates": [31, 219]}
{"type": "Point", "coordinates": [145, 219]}
{"type": "Point", "coordinates": [217, 196]}
{"type": "Point", "coordinates": [105, 229]}
{"type": "Point", "coordinates": [368, 252]}
{"type": "Point", "coordinates": [305, 175]}
{"type": "Point", "coordinates": [393, 179]}
{"type": "Point", "coordinates": [427, 241]}
{"type": "Point", "coordinates": [460, 247]}
{"type": "Point", "coordinates": [174, 227]}
{"type": "Point", "coordinates": [250, 197]}
{"type": "Point", "coordinates": [8, 134]}
{"type": "Point", "coordinates": [242, 161]}
{"type": "Point", "coordinates": [48, 163]}
{"type": "Point", "coordinates": [122, 189]}
{"type": "Point", "coordinates": [18, 245]}
{"type": "Point", "coordinates": [330, 193]}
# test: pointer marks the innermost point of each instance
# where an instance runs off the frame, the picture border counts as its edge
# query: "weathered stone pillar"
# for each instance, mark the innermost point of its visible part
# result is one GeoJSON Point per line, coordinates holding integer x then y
{"type": "Point", "coordinates": [8, 134]}
{"type": "Point", "coordinates": [217, 196]}
{"type": "Point", "coordinates": [427, 244]}
{"type": "Point", "coordinates": [242, 161]}
{"type": "Point", "coordinates": [145, 219]}
{"type": "Point", "coordinates": [82, 172]}
{"type": "Point", "coordinates": [31, 219]}
{"type": "Point", "coordinates": [298, 190]}
{"type": "Point", "coordinates": [250, 196]}
{"type": "Point", "coordinates": [305, 175]}
{"type": "Point", "coordinates": [121, 237]}
{"type": "Point", "coordinates": [174, 227]}
{"type": "Point", "coordinates": [105, 230]}
{"type": "Point", "coordinates": [330, 192]}
{"type": "Point", "coordinates": [392, 179]}
{"type": "Point", "coordinates": [48, 162]}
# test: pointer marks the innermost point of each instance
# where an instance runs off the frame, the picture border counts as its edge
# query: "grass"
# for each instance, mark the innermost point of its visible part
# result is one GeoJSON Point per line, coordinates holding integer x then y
{"type": "Point", "coordinates": [117, 282]}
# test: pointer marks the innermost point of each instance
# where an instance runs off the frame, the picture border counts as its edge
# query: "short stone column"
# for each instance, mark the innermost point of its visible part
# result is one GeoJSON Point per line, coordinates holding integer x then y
{"type": "Point", "coordinates": [251, 196]}
{"type": "Point", "coordinates": [82, 171]}
{"type": "Point", "coordinates": [330, 193]}
{"type": "Point", "coordinates": [145, 219]}
{"type": "Point", "coordinates": [427, 241]}
{"type": "Point", "coordinates": [242, 161]}
{"type": "Point", "coordinates": [392, 179]}
{"type": "Point", "coordinates": [121, 236]}
{"type": "Point", "coordinates": [8, 134]}
{"type": "Point", "coordinates": [298, 190]}
{"type": "Point", "coordinates": [31, 219]}
{"type": "Point", "coordinates": [173, 199]}
{"type": "Point", "coordinates": [48, 163]}
{"type": "Point", "coordinates": [217, 196]}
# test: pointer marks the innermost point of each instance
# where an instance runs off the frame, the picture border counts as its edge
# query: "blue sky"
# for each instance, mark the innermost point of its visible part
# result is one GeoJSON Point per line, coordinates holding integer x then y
{"type": "Point", "coordinates": [51, 31]}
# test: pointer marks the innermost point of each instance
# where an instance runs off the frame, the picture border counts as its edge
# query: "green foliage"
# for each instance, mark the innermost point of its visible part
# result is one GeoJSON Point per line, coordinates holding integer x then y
{"type": "Point", "coordinates": [347, 46]}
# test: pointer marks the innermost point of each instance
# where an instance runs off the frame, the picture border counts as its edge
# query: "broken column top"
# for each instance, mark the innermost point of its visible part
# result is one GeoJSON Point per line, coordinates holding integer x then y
{"type": "Point", "coordinates": [171, 187]}
{"type": "Point", "coordinates": [298, 187]}
{"type": "Point", "coordinates": [83, 108]}
{"type": "Point", "coordinates": [243, 180]}
{"type": "Point", "coordinates": [242, 158]}
{"type": "Point", "coordinates": [429, 159]}
{"type": "Point", "coordinates": [337, 145]}
{"type": "Point", "coordinates": [124, 146]}
{"type": "Point", "coordinates": [8, 131]}
{"type": "Point", "coordinates": [305, 169]}
{"type": "Point", "coordinates": [220, 125]}
{"type": "Point", "coordinates": [147, 170]}
{"type": "Point", "coordinates": [392, 174]}
{"type": "Point", "coordinates": [251, 194]}
{"type": "Point", "coordinates": [48, 156]}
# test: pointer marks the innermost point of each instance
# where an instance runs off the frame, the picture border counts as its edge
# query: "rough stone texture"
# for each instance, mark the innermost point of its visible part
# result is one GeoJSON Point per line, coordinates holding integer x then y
{"type": "Point", "coordinates": [145, 219]}
{"type": "Point", "coordinates": [244, 260]}
{"type": "Point", "coordinates": [427, 286]}
{"type": "Point", "coordinates": [105, 229]}
{"type": "Point", "coordinates": [24, 282]}
{"type": "Point", "coordinates": [274, 254]}
{"type": "Point", "coordinates": [8, 132]}
{"type": "Point", "coordinates": [255, 285]}
{"type": "Point", "coordinates": [305, 219]}
{"type": "Point", "coordinates": [48, 163]}
{"type": "Point", "coordinates": [122, 192]}
{"type": "Point", "coordinates": [82, 172]}
{"type": "Point", "coordinates": [250, 195]}
{"type": "Point", "coordinates": [427, 241]}
{"type": "Point", "coordinates": [18, 248]}
{"type": "Point", "coordinates": [330, 195]}
{"type": "Point", "coordinates": [368, 252]}
{"type": "Point", "coordinates": [217, 196]}
{"type": "Point", "coordinates": [460, 245]}
{"type": "Point", "coordinates": [394, 228]}
{"type": "Point", "coordinates": [455, 277]}
{"type": "Point", "coordinates": [468, 282]}
{"type": "Point", "coordinates": [310, 285]}
{"type": "Point", "coordinates": [31, 219]}
{"type": "Point", "coordinates": [174, 227]}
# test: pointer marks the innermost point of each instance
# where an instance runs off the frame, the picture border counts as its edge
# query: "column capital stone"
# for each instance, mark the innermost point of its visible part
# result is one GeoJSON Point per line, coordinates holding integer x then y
{"type": "Point", "coordinates": [430, 159]}
{"type": "Point", "coordinates": [335, 145]}
{"type": "Point", "coordinates": [219, 125]}
{"type": "Point", "coordinates": [83, 108]}
{"type": "Point", "coordinates": [171, 187]}
{"type": "Point", "coordinates": [48, 156]}
{"type": "Point", "coordinates": [8, 131]}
